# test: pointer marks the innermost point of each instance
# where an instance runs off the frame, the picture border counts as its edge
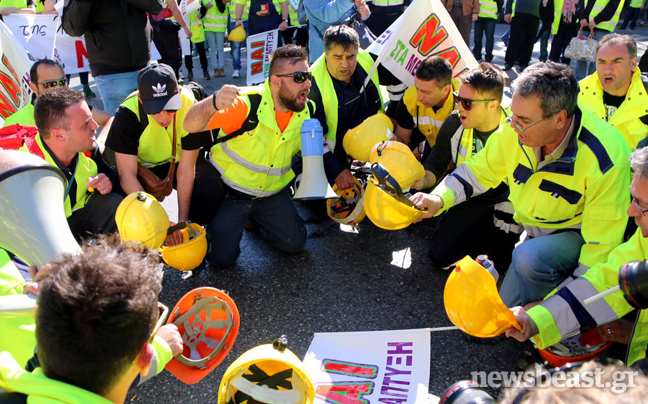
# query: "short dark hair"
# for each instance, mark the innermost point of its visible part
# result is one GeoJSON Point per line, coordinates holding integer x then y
{"type": "Point", "coordinates": [435, 68]}
{"type": "Point", "coordinates": [555, 85]}
{"type": "Point", "coordinates": [33, 72]}
{"type": "Point", "coordinates": [617, 39]}
{"type": "Point", "coordinates": [49, 109]}
{"type": "Point", "coordinates": [287, 54]}
{"type": "Point", "coordinates": [485, 79]}
{"type": "Point", "coordinates": [341, 35]}
{"type": "Point", "coordinates": [96, 311]}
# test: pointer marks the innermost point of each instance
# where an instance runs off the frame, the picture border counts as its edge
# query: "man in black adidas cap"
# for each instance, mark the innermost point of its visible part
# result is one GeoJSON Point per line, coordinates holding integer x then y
{"type": "Point", "coordinates": [143, 132]}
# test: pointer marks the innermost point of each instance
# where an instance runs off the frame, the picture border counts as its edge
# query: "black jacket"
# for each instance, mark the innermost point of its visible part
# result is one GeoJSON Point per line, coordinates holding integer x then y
{"type": "Point", "coordinates": [117, 32]}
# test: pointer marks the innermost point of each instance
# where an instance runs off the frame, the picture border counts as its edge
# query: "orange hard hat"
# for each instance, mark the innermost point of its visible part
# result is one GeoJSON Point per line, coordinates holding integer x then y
{"type": "Point", "coordinates": [208, 321]}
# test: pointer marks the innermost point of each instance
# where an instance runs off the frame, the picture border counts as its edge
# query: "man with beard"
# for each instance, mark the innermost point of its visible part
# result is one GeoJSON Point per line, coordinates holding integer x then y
{"type": "Point", "coordinates": [261, 133]}
{"type": "Point", "coordinates": [616, 92]}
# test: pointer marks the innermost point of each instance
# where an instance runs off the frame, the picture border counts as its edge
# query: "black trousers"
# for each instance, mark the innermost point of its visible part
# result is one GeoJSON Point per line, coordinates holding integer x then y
{"type": "Point", "coordinates": [167, 42]}
{"type": "Point", "coordinates": [468, 229]}
{"type": "Point", "coordinates": [96, 217]}
{"type": "Point", "coordinates": [566, 31]}
{"type": "Point", "coordinates": [202, 55]}
{"type": "Point", "coordinates": [524, 28]}
{"type": "Point", "coordinates": [300, 36]}
{"type": "Point", "coordinates": [208, 191]}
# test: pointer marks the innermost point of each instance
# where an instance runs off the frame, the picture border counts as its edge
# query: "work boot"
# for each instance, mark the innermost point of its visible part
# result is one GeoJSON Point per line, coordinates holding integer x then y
{"type": "Point", "coordinates": [87, 92]}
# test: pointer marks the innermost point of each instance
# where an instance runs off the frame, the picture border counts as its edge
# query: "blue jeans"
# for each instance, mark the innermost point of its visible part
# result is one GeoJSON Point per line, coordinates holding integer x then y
{"type": "Point", "coordinates": [216, 42]}
{"type": "Point", "coordinates": [114, 88]}
{"type": "Point", "coordinates": [484, 26]}
{"type": "Point", "coordinates": [544, 45]}
{"type": "Point", "coordinates": [539, 265]}
{"type": "Point", "coordinates": [236, 46]}
{"type": "Point", "coordinates": [276, 215]}
{"type": "Point", "coordinates": [584, 69]}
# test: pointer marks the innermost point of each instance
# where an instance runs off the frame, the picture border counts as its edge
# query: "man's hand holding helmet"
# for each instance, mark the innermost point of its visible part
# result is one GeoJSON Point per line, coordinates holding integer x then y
{"type": "Point", "coordinates": [430, 202]}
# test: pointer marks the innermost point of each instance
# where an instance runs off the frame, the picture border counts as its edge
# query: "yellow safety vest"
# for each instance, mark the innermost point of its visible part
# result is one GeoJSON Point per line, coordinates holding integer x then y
{"type": "Point", "coordinates": [329, 97]}
{"type": "Point", "coordinates": [488, 9]}
{"type": "Point", "coordinates": [461, 142]}
{"type": "Point", "coordinates": [258, 162]}
{"type": "Point", "coordinates": [155, 146]}
{"type": "Point", "coordinates": [215, 21]}
{"type": "Point", "coordinates": [24, 116]}
{"type": "Point", "coordinates": [609, 25]}
{"type": "Point", "coordinates": [85, 169]}
{"type": "Point", "coordinates": [425, 119]}
{"type": "Point", "coordinates": [627, 118]}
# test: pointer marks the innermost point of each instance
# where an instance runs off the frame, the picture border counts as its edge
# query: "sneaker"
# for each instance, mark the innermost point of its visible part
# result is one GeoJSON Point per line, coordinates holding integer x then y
{"type": "Point", "coordinates": [236, 74]}
{"type": "Point", "coordinates": [507, 67]}
{"type": "Point", "coordinates": [87, 92]}
{"type": "Point", "coordinates": [206, 74]}
{"type": "Point", "coordinates": [190, 76]}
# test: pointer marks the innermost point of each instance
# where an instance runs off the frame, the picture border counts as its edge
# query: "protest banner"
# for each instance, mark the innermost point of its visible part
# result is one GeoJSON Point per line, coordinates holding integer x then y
{"type": "Point", "coordinates": [260, 47]}
{"type": "Point", "coordinates": [35, 32]}
{"type": "Point", "coordinates": [14, 73]}
{"type": "Point", "coordinates": [370, 367]}
{"type": "Point", "coordinates": [424, 30]}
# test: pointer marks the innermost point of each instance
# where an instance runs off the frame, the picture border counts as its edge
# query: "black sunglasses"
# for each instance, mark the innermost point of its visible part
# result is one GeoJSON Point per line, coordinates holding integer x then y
{"type": "Point", "coordinates": [298, 77]}
{"type": "Point", "coordinates": [467, 103]}
{"type": "Point", "coordinates": [54, 83]}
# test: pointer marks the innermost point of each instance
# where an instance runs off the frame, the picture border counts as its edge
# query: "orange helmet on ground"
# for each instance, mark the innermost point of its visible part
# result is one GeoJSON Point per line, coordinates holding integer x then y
{"type": "Point", "coordinates": [208, 321]}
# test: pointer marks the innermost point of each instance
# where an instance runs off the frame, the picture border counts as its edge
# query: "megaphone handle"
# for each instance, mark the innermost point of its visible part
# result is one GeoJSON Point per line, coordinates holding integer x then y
{"type": "Point", "coordinates": [601, 295]}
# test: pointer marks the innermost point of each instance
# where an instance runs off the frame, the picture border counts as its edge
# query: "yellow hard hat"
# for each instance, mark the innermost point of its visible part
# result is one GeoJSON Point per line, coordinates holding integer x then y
{"type": "Point", "coordinates": [385, 204]}
{"type": "Point", "coordinates": [349, 207]}
{"type": "Point", "coordinates": [473, 303]}
{"type": "Point", "coordinates": [191, 252]}
{"type": "Point", "coordinates": [277, 376]}
{"type": "Point", "coordinates": [399, 160]}
{"type": "Point", "coordinates": [237, 34]}
{"type": "Point", "coordinates": [141, 218]}
{"type": "Point", "coordinates": [359, 141]}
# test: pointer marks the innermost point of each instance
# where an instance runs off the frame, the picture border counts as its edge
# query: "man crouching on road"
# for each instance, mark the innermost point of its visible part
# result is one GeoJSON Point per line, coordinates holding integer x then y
{"type": "Point", "coordinates": [255, 165]}
{"type": "Point", "coordinates": [564, 314]}
{"type": "Point", "coordinates": [96, 323]}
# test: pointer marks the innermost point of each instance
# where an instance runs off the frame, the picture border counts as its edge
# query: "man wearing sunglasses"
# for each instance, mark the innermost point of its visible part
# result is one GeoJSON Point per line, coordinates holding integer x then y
{"type": "Point", "coordinates": [261, 133]}
{"type": "Point", "coordinates": [568, 174]}
{"type": "Point", "coordinates": [98, 328]}
{"type": "Point", "coordinates": [564, 313]}
{"type": "Point", "coordinates": [483, 225]}
{"type": "Point", "coordinates": [44, 75]}
{"type": "Point", "coordinates": [616, 92]}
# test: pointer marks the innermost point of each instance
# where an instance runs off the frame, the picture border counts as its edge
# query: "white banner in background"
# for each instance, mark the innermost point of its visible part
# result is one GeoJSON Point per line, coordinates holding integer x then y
{"type": "Point", "coordinates": [37, 33]}
{"type": "Point", "coordinates": [72, 53]}
{"type": "Point", "coordinates": [370, 367]}
{"type": "Point", "coordinates": [14, 74]}
{"type": "Point", "coordinates": [259, 49]}
{"type": "Point", "coordinates": [425, 29]}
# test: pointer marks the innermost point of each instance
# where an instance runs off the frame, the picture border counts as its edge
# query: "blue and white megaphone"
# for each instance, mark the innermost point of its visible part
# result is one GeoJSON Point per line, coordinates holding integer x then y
{"type": "Point", "coordinates": [313, 184]}
{"type": "Point", "coordinates": [32, 218]}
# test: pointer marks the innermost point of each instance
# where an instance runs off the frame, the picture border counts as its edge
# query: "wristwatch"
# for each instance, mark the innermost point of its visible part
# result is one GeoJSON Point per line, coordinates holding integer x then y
{"type": "Point", "coordinates": [286, 21]}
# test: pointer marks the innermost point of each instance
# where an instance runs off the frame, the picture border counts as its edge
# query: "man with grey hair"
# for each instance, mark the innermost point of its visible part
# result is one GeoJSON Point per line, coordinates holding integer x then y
{"type": "Point", "coordinates": [565, 314]}
{"type": "Point", "coordinates": [616, 92]}
{"type": "Point", "coordinates": [568, 174]}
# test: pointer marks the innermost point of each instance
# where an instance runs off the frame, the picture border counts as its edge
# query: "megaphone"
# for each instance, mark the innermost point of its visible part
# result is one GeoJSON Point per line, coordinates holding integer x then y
{"type": "Point", "coordinates": [32, 216]}
{"type": "Point", "coordinates": [313, 184]}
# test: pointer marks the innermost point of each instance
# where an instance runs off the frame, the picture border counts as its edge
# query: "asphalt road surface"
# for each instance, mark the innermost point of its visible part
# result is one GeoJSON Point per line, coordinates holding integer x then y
{"type": "Point", "coordinates": [368, 280]}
